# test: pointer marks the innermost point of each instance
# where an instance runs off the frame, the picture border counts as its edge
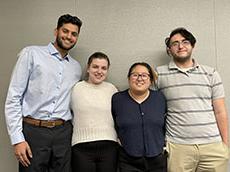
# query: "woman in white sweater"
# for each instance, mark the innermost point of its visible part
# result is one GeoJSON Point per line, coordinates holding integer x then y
{"type": "Point", "coordinates": [94, 140]}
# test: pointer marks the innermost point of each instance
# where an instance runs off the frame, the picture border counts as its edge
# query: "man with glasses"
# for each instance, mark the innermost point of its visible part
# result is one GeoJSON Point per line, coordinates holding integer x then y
{"type": "Point", "coordinates": [197, 122]}
{"type": "Point", "coordinates": [37, 105]}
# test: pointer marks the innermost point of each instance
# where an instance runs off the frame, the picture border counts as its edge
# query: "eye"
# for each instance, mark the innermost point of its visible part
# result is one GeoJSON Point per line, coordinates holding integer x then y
{"type": "Point", "coordinates": [64, 30]}
{"type": "Point", "coordinates": [144, 76]}
{"type": "Point", "coordinates": [104, 68]}
{"type": "Point", "coordinates": [185, 42]}
{"type": "Point", "coordinates": [94, 66]}
{"type": "Point", "coordinates": [75, 34]}
{"type": "Point", "coordinates": [175, 44]}
{"type": "Point", "coordinates": [134, 75]}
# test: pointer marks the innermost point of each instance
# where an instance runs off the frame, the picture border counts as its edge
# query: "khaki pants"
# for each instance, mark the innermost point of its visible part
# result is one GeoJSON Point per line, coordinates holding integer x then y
{"type": "Point", "coordinates": [211, 157]}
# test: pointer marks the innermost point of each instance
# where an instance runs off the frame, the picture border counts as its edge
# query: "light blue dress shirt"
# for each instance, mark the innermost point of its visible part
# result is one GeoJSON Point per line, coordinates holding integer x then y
{"type": "Point", "coordinates": [40, 87]}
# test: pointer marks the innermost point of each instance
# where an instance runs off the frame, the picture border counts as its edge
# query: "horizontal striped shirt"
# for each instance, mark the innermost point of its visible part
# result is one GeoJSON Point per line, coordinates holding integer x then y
{"type": "Point", "coordinates": [189, 94]}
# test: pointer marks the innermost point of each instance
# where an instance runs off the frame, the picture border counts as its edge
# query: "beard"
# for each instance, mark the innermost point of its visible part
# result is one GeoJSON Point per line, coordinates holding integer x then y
{"type": "Point", "coordinates": [181, 59]}
{"type": "Point", "coordinates": [61, 45]}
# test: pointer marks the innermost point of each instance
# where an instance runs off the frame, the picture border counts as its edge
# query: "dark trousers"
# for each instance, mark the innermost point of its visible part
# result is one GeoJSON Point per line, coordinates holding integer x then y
{"type": "Point", "coordinates": [97, 156]}
{"type": "Point", "coordinates": [129, 163]}
{"type": "Point", "coordinates": [51, 148]}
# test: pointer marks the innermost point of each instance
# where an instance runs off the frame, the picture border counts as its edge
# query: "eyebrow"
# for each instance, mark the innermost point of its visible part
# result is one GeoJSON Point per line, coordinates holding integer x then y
{"type": "Point", "coordinates": [180, 40]}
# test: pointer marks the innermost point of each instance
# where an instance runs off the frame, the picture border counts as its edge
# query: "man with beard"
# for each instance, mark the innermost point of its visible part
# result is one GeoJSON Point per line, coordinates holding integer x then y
{"type": "Point", "coordinates": [37, 105]}
{"type": "Point", "coordinates": [196, 124]}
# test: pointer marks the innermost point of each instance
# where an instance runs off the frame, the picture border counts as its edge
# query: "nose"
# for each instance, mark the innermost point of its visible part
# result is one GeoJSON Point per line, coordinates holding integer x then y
{"type": "Point", "coordinates": [139, 78]}
{"type": "Point", "coordinates": [68, 35]}
{"type": "Point", "coordinates": [99, 70]}
{"type": "Point", "coordinates": [180, 45]}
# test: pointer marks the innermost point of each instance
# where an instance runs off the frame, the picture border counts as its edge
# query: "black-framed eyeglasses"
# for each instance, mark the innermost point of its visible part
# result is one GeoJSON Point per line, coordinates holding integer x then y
{"type": "Point", "coordinates": [135, 76]}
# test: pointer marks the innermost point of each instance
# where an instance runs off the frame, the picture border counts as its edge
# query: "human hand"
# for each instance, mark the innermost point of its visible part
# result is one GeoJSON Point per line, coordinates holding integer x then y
{"type": "Point", "coordinates": [23, 152]}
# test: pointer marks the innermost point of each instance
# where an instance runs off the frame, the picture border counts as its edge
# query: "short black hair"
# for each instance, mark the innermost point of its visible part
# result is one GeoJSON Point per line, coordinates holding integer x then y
{"type": "Point", "coordinates": [67, 18]}
{"type": "Point", "coordinates": [183, 32]}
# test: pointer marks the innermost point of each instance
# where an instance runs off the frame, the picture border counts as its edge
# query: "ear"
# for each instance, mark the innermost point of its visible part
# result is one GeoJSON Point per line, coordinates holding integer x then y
{"type": "Point", "coordinates": [87, 69]}
{"type": "Point", "coordinates": [168, 51]}
{"type": "Point", "coordinates": [55, 32]}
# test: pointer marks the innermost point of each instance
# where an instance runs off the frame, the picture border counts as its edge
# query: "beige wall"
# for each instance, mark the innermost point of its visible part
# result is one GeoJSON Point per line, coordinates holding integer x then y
{"type": "Point", "coordinates": [128, 31]}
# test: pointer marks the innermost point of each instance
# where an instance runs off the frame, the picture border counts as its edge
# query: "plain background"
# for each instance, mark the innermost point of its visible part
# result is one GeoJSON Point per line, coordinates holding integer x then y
{"type": "Point", "coordinates": [126, 30]}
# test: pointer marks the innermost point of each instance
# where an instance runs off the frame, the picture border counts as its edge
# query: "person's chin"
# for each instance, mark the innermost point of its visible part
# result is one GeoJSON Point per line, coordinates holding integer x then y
{"type": "Point", "coordinates": [97, 82]}
{"type": "Point", "coordinates": [68, 47]}
{"type": "Point", "coordinates": [139, 88]}
{"type": "Point", "coordinates": [182, 58]}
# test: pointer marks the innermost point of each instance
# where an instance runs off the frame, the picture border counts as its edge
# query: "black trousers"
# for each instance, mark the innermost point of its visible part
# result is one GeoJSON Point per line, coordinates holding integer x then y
{"type": "Point", "coordinates": [96, 156]}
{"type": "Point", "coordinates": [129, 163]}
{"type": "Point", "coordinates": [51, 148]}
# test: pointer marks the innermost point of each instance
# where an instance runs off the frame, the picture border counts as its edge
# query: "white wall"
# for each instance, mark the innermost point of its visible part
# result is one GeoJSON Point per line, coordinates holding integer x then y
{"type": "Point", "coordinates": [128, 31]}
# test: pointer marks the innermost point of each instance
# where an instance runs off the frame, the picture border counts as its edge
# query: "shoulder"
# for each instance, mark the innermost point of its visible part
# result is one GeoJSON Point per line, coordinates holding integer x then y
{"type": "Point", "coordinates": [110, 86]}
{"type": "Point", "coordinates": [31, 49]}
{"type": "Point", "coordinates": [120, 94]}
{"type": "Point", "coordinates": [119, 99]}
{"type": "Point", "coordinates": [30, 53]}
{"type": "Point", "coordinates": [207, 69]}
{"type": "Point", "coordinates": [80, 84]}
{"type": "Point", "coordinates": [162, 69]}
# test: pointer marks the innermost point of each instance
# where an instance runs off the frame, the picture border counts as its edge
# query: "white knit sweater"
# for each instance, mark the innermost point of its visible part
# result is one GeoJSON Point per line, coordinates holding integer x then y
{"type": "Point", "coordinates": [91, 105]}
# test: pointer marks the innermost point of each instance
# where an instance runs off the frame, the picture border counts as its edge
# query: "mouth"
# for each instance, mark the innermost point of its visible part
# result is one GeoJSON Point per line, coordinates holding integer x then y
{"type": "Point", "coordinates": [98, 76]}
{"type": "Point", "coordinates": [139, 84]}
{"type": "Point", "coordinates": [67, 42]}
{"type": "Point", "coordinates": [182, 51]}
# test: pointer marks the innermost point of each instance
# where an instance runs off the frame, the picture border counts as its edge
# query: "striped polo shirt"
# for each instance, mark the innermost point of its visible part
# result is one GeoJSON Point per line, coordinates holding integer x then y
{"type": "Point", "coordinates": [189, 94]}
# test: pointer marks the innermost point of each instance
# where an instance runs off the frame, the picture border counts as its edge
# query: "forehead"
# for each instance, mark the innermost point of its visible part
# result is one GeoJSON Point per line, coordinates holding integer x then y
{"type": "Point", "coordinates": [99, 61]}
{"type": "Point", "coordinates": [140, 69]}
{"type": "Point", "coordinates": [71, 27]}
{"type": "Point", "coordinates": [177, 37]}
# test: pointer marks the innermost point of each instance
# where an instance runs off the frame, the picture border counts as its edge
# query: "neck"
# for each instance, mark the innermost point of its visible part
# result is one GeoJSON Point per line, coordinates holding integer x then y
{"type": "Point", "coordinates": [139, 96]}
{"type": "Point", "coordinates": [186, 64]}
{"type": "Point", "coordinates": [60, 50]}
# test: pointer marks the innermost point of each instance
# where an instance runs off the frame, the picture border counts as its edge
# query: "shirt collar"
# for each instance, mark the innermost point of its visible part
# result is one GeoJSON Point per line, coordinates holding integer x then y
{"type": "Point", "coordinates": [172, 65]}
{"type": "Point", "coordinates": [54, 51]}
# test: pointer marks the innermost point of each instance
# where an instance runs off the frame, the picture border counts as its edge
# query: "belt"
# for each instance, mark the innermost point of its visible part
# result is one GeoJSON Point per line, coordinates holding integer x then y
{"type": "Point", "coordinates": [43, 123]}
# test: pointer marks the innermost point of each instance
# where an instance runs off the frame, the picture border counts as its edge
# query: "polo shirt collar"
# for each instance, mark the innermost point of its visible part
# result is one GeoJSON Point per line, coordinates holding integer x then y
{"type": "Point", "coordinates": [172, 65]}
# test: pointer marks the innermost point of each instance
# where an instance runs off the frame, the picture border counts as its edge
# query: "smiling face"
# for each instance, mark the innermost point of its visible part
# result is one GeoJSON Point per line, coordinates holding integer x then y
{"type": "Point", "coordinates": [180, 49]}
{"type": "Point", "coordinates": [97, 70]}
{"type": "Point", "coordinates": [66, 37]}
{"type": "Point", "coordinates": [139, 80]}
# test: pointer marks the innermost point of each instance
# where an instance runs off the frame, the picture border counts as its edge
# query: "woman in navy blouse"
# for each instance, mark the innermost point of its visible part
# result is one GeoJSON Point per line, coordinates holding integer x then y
{"type": "Point", "coordinates": [139, 115]}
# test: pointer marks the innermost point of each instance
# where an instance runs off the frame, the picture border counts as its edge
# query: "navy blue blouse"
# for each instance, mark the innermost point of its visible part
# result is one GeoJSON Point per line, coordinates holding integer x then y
{"type": "Point", "coordinates": [140, 127]}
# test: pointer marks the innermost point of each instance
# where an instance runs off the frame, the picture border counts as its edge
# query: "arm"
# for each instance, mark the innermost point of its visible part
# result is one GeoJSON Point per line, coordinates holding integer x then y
{"type": "Point", "coordinates": [14, 99]}
{"type": "Point", "coordinates": [13, 107]}
{"type": "Point", "coordinates": [221, 118]}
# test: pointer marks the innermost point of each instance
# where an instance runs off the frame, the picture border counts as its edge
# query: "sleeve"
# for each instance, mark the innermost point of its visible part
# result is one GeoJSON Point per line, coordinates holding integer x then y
{"type": "Point", "coordinates": [17, 88]}
{"type": "Point", "coordinates": [113, 110]}
{"type": "Point", "coordinates": [157, 81]}
{"type": "Point", "coordinates": [112, 107]}
{"type": "Point", "coordinates": [217, 86]}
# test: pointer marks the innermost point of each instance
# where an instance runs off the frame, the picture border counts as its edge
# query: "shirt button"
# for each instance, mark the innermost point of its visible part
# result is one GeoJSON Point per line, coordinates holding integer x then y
{"type": "Point", "coordinates": [142, 113]}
